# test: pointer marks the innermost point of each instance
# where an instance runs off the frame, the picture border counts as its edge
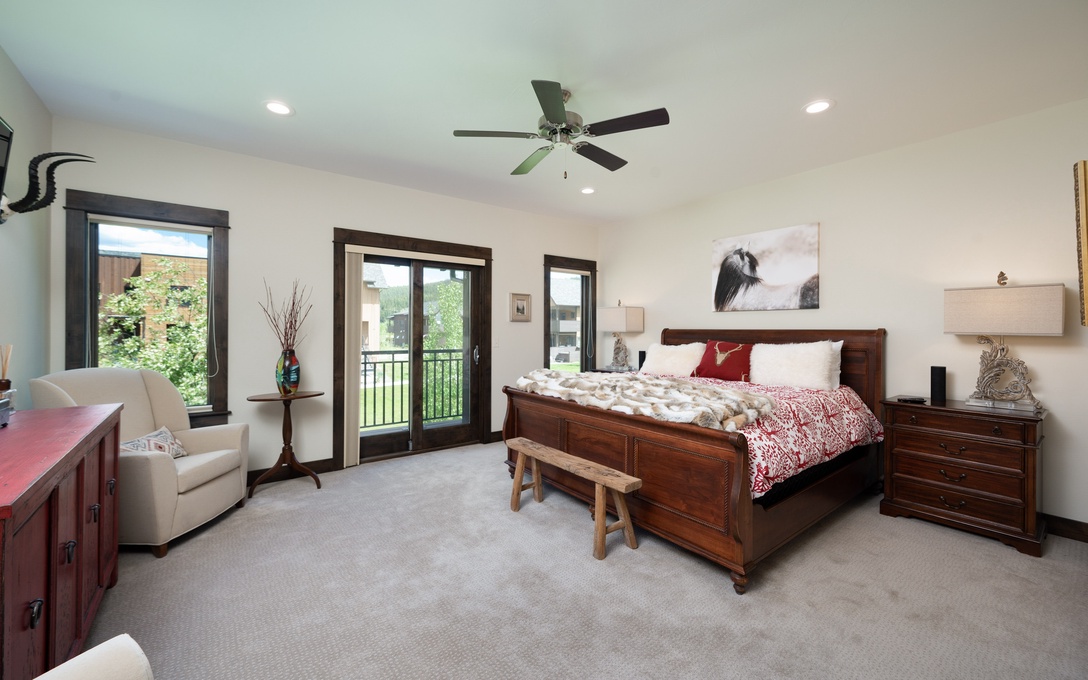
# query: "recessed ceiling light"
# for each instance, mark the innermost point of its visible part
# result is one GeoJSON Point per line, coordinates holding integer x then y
{"type": "Point", "coordinates": [278, 108]}
{"type": "Point", "coordinates": [819, 106]}
{"type": "Point", "coordinates": [588, 190]}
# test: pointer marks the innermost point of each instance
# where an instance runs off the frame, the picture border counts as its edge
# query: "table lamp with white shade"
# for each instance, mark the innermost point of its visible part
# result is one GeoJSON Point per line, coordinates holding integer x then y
{"type": "Point", "coordinates": [999, 311]}
{"type": "Point", "coordinates": [618, 320]}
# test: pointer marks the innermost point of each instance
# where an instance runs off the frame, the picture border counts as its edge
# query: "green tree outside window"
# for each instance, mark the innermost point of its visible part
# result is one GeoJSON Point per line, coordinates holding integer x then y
{"type": "Point", "coordinates": [160, 323]}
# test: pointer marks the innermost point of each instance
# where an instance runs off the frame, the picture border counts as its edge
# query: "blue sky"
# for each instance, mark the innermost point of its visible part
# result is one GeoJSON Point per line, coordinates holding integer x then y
{"type": "Point", "coordinates": [152, 241]}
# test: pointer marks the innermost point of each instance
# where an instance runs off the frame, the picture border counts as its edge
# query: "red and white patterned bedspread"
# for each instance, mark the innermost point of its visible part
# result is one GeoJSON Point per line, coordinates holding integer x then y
{"type": "Point", "coordinates": [807, 427]}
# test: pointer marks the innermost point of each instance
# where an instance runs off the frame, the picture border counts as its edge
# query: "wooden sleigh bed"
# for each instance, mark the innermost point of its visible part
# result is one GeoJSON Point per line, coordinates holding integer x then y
{"type": "Point", "coordinates": [695, 491]}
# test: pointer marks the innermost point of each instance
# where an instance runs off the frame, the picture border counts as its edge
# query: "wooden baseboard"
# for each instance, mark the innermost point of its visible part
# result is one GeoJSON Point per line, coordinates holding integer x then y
{"type": "Point", "coordinates": [1066, 528]}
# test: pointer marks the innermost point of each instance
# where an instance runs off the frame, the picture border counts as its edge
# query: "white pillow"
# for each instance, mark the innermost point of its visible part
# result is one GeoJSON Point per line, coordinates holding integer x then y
{"type": "Point", "coordinates": [814, 365]}
{"type": "Point", "coordinates": [836, 363]}
{"type": "Point", "coordinates": [681, 360]}
{"type": "Point", "coordinates": [159, 440]}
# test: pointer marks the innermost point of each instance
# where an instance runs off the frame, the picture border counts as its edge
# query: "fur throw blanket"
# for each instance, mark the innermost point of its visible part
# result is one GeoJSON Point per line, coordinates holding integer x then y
{"type": "Point", "coordinates": [676, 400]}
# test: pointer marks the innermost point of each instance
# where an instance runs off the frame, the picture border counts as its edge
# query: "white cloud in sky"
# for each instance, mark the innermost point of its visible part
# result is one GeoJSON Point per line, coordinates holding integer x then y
{"type": "Point", "coordinates": [151, 241]}
{"type": "Point", "coordinates": [397, 275]}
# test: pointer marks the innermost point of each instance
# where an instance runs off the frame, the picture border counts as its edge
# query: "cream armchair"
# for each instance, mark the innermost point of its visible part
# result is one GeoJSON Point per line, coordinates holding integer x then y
{"type": "Point", "coordinates": [118, 658]}
{"type": "Point", "coordinates": [160, 497]}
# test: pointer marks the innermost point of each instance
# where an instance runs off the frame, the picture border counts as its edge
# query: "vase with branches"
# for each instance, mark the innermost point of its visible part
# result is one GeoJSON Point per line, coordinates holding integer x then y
{"type": "Point", "coordinates": [286, 321]}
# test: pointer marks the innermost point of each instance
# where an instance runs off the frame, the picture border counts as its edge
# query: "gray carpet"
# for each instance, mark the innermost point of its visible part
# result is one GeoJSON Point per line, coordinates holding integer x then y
{"type": "Point", "coordinates": [417, 568]}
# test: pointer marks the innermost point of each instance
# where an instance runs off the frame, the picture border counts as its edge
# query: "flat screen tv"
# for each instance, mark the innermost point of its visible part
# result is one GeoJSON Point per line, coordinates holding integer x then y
{"type": "Point", "coordinates": [5, 150]}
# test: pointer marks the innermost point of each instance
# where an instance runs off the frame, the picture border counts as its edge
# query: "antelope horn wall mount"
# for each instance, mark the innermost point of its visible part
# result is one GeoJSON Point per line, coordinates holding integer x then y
{"type": "Point", "coordinates": [32, 201]}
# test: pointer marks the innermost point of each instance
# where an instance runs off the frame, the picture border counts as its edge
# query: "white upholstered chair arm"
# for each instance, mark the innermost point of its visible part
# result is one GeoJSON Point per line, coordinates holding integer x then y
{"type": "Point", "coordinates": [148, 479]}
{"type": "Point", "coordinates": [215, 437]}
{"type": "Point", "coordinates": [45, 394]}
{"type": "Point", "coordinates": [118, 658]}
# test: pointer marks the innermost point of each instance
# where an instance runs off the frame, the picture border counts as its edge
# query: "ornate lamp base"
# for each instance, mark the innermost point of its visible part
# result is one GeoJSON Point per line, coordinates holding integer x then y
{"type": "Point", "coordinates": [621, 358]}
{"type": "Point", "coordinates": [993, 364]}
{"type": "Point", "coordinates": [1019, 405]}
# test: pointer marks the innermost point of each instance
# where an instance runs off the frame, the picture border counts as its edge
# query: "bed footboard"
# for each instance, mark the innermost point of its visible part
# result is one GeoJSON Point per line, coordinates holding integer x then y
{"type": "Point", "coordinates": [695, 491]}
{"type": "Point", "coordinates": [694, 479]}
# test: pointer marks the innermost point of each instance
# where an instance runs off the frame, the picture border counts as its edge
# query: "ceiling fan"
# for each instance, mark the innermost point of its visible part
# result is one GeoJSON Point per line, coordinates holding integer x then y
{"type": "Point", "coordinates": [561, 127]}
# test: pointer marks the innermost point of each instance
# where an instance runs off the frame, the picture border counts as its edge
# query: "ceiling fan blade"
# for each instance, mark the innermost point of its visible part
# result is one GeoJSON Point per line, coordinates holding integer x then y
{"type": "Point", "coordinates": [550, 96]}
{"type": "Point", "coordinates": [492, 133]}
{"type": "Point", "coordinates": [635, 121]}
{"type": "Point", "coordinates": [530, 162]}
{"type": "Point", "coordinates": [599, 156]}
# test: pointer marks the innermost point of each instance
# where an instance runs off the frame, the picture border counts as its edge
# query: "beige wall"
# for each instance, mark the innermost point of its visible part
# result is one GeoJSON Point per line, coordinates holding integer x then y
{"type": "Point", "coordinates": [282, 219]}
{"type": "Point", "coordinates": [24, 239]}
{"type": "Point", "coordinates": [896, 229]}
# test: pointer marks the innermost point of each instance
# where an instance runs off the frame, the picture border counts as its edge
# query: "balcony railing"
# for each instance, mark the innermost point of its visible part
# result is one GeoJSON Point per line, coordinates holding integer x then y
{"type": "Point", "coordinates": [385, 395]}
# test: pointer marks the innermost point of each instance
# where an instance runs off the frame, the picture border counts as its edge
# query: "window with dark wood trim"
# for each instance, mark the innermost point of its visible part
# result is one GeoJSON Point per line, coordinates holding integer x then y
{"type": "Point", "coordinates": [84, 210]}
{"type": "Point", "coordinates": [562, 316]}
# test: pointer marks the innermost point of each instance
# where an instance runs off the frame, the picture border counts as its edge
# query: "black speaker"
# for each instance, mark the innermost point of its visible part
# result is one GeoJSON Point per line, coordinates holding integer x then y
{"type": "Point", "coordinates": [936, 385]}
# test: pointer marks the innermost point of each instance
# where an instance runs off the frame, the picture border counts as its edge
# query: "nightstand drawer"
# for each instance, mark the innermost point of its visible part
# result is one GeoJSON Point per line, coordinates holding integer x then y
{"type": "Point", "coordinates": [960, 424]}
{"type": "Point", "coordinates": [969, 467]}
{"type": "Point", "coordinates": [964, 450]}
{"type": "Point", "coordinates": [964, 478]}
{"type": "Point", "coordinates": [952, 503]}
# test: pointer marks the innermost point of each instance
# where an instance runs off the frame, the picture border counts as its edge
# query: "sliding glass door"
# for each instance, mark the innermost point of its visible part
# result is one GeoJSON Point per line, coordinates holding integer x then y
{"type": "Point", "coordinates": [412, 333]}
{"type": "Point", "coordinates": [418, 363]}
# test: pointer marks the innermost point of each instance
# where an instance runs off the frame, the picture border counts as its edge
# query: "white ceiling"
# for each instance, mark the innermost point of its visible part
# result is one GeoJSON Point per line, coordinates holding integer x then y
{"type": "Point", "coordinates": [379, 86]}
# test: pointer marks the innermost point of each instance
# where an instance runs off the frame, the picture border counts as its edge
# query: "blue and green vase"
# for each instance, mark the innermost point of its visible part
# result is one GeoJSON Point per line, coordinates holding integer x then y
{"type": "Point", "coordinates": [287, 373]}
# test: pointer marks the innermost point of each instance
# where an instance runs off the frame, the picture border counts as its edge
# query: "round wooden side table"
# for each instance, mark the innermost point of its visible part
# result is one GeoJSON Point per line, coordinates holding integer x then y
{"type": "Point", "coordinates": [287, 454]}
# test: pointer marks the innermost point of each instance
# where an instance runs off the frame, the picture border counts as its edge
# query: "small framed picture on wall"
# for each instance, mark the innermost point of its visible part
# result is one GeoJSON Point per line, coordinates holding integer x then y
{"type": "Point", "coordinates": [521, 308]}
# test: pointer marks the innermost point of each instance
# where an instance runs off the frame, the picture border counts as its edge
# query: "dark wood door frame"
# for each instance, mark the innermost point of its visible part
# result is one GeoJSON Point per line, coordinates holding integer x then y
{"type": "Point", "coordinates": [421, 248]}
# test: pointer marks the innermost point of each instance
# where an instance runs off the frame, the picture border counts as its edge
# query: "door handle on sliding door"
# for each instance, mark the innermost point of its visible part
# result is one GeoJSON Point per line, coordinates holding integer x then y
{"type": "Point", "coordinates": [476, 355]}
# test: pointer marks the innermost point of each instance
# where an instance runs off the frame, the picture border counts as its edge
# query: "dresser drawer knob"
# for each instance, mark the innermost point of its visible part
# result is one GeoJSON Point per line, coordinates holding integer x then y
{"type": "Point", "coordinates": [913, 420]}
{"type": "Point", "coordinates": [997, 430]}
{"type": "Point", "coordinates": [957, 506]}
{"type": "Point", "coordinates": [36, 608]}
{"type": "Point", "coordinates": [963, 476]}
{"type": "Point", "coordinates": [70, 552]}
{"type": "Point", "coordinates": [948, 450]}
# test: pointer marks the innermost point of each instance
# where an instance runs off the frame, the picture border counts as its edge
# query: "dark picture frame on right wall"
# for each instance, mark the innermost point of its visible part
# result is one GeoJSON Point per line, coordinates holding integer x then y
{"type": "Point", "coordinates": [1080, 192]}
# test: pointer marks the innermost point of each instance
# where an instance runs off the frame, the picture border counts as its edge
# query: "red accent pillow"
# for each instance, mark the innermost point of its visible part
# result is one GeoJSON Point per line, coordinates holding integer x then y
{"type": "Point", "coordinates": [725, 361]}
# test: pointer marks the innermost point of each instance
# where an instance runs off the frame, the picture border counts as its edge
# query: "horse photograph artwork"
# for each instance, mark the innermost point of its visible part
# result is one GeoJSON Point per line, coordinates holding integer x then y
{"type": "Point", "coordinates": [776, 269]}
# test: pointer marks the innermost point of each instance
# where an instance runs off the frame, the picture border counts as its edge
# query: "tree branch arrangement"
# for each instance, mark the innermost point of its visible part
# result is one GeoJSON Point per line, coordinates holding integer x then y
{"type": "Point", "coordinates": [287, 318]}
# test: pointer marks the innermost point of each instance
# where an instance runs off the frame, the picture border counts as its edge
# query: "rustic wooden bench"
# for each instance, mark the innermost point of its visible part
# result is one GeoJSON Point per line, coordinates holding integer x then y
{"type": "Point", "coordinates": [602, 476]}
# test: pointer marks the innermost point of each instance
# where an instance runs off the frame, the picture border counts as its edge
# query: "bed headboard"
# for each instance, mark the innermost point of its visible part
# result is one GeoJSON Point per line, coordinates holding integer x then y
{"type": "Point", "coordinates": [862, 352]}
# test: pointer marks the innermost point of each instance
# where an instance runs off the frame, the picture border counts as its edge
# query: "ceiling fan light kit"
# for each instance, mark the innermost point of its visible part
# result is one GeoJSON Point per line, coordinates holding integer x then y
{"type": "Point", "coordinates": [561, 127]}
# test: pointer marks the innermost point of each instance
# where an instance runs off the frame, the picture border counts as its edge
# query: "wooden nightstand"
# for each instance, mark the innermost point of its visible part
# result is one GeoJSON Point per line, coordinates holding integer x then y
{"type": "Point", "coordinates": [967, 467]}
